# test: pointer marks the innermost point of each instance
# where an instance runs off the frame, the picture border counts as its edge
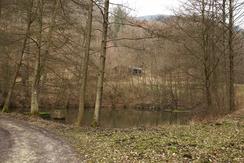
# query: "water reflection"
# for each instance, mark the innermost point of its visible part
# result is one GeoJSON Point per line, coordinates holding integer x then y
{"type": "Point", "coordinates": [111, 118]}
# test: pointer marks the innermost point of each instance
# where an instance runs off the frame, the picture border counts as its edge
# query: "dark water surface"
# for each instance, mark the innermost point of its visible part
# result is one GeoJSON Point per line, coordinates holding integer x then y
{"type": "Point", "coordinates": [127, 118]}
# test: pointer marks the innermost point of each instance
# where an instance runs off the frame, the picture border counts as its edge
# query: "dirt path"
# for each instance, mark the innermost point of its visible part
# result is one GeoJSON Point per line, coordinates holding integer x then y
{"type": "Point", "coordinates": [21, 142]}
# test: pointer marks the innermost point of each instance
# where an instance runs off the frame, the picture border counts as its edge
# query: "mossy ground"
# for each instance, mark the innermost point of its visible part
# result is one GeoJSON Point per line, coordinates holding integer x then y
{"type": "Point", "coordinates": [217, 141]}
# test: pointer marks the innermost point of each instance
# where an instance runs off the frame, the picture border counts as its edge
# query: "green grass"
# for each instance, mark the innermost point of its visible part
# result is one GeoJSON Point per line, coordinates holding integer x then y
{"type": "Point", "coordinates": [45, 115]}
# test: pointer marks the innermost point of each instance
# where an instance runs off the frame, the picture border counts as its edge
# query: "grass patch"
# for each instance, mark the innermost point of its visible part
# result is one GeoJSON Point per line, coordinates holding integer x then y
{"type": "Point", "coordinates": [45, 115]}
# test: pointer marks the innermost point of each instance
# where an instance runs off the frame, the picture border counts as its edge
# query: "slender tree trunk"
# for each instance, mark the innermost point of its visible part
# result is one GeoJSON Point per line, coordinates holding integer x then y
{"type": "Point", "coordinates": [102, 65]}
{"type": "Point", "coordinates": [0, 9]}
{"type": "Point", "coordinates": [215, 66]}
{"type": "Point", "coordinates": [225, 62]}
{"type": "Point", "coordinates": [231, 57]}
{"type": "Point", "coordinates": [48, 44]}
{"type": "Point", "coordinates": [85, 64]}
{"type": "Point", "coordinates": [208, 91]}
{"type": "Point", "coordinates": [49, 35]}
{"type": "Point", "coordinates": [206, 56]}
{"type": "Point", "coordinates": [39, 68]}
{"type": "Point", "coordinates": [27, 33]}
{"type": "Point", "coordinates": [37, 71]}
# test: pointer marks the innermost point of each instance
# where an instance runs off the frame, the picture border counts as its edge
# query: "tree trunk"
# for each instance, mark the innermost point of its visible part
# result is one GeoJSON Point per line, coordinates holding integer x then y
{"type": "Point", "coordinates": [49, 35]}
{"type": "Point", "coordinates": [231, 57]}
{"type": "Point", "coordinates": [102, 65]}
{"type": "Point", "coordinates": [27, 33]}
{"type": "Point", "coordinates": [225, 54]}
{"type": "Point", "coordinates": [206, 56]}
{"type": "Point", "coordinates": [85, 65]}
{"type": "Point", "coordinates": [39, 68]}
{"type": "Point", "coordinates": [37, 72]}
{"type": "Point", "coordinates": [0, 9]}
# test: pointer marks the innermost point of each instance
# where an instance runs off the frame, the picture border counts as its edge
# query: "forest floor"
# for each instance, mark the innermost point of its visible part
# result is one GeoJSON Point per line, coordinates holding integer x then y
{"type": "Point", "coordinates": [219, 140]}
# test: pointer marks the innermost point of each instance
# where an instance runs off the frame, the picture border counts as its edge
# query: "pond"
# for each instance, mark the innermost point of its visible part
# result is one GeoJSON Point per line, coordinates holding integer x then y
{"type": "Point", "coordinates": [127, 118]}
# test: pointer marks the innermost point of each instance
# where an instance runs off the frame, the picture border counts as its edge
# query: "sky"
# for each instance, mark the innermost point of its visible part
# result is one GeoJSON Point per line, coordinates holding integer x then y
{"type": "Point", "coordinates": [150, 7]}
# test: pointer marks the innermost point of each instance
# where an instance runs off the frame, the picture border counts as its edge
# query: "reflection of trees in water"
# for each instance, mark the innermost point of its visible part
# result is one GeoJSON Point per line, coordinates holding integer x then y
{"type": "Point", "coordinates": [172, 114]}
{"type": "Point", "coordinates": [112, 118]}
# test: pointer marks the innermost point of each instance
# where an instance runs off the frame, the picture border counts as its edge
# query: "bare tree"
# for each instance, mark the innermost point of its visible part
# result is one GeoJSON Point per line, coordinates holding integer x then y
{"type": "Point", "coordinates": [85, 64]}
{"type": "Point", "coordinates": [231, 56]}
{"type": "Point", "coordinates": [27, 35]}
{"type": "Point", "coordinates": [102, 63]}
{"type": "Point", "coordinates": [39, 66]}
{"type": "Point", "coordinates": [37, 71]}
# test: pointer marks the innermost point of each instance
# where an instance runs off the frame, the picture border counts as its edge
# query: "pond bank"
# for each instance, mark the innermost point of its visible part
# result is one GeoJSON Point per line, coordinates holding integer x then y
{"type": "Point", "coordinates": [217, 141]}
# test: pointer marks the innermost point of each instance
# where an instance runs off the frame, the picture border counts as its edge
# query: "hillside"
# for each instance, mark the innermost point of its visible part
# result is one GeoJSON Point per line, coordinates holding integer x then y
{"type": "Point", "coordinates": [154, 17]}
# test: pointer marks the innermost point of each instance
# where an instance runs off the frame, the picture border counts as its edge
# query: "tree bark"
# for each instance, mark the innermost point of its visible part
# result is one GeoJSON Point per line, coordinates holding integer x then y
{"type": "Point", "coordinates": [40, 66]}
{"type": "Point", "coordinates": [225, 54]}
{"type": "Point", "coordinates": [101, 72]}
{"type": "Point", "coordinates": [37, 72]}
{"type": "Point", "coordinates": [206, 56]}
{"type": "Point", "coordinates": [85, 64]}
{"type": "Point", "coordinates": [49, 35]}
{"type": "Point", "coordinates": [231, 57]}
{"type": "Point", "coordinates": [0, 9]}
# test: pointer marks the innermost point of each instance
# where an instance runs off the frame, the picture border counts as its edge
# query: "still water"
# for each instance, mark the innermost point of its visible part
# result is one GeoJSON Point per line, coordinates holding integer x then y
{"type": "Point", "coordinates": [127, 118]}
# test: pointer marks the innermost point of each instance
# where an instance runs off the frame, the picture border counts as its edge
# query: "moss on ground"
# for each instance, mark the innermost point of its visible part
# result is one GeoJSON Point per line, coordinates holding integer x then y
{"type": "Point", "coordinates": [221, 141]}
